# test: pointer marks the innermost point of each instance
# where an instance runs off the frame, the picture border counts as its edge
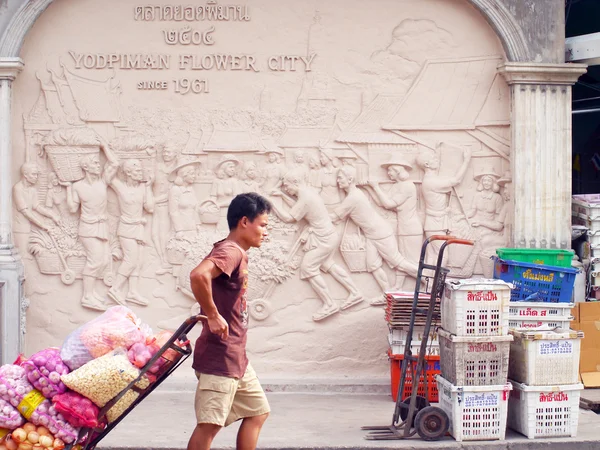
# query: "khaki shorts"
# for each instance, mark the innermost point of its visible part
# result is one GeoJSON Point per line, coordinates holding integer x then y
{"type": "Point", "coordinates": [223, 400]}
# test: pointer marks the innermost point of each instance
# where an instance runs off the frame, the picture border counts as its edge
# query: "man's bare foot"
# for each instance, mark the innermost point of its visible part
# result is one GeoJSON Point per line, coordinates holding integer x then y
{"type": "Point", "coordinates": [325, 312]}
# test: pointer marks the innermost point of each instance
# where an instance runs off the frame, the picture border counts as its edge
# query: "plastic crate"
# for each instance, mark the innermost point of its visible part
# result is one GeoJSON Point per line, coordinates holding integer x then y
{"type": "Point", "coordinates": [547, 257]}
{"type": "Point", "coordinates": [544, 411]}
{"type": "Point", "coordinates": [536, 282]}
{"type": "Point", "coordinates": [476, 307]}
{"type": "Point", "coordinates": [476, 413]}
{"type": "Point", "coordinates": [543, 358]}
{"type": "Point", "coordinates": [474, 360]}
{"type": "Point", "coordinates": [432, 369]}
{"type": "Point", "coordinates": [536, 323]}
{"type": "Point", "coordinates": [397, 341]}
{"type": "Point", "coordinates": [541, 310]}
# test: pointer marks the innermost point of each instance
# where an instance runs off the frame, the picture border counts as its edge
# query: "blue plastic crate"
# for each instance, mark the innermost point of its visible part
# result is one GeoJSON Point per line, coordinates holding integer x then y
{"type": "Point", "coordinates": [536, 282]}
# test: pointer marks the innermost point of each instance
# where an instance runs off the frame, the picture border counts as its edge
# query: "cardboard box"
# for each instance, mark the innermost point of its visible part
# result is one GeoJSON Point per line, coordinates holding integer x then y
{"type": "Point", "coordinates": [589, 311]}
{"type": "Point", "coordinates": [589, 323]}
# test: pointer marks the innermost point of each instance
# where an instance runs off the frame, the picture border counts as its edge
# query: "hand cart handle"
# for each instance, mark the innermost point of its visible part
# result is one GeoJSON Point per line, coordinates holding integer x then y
{"type": "Point", "coordinates": [454, 240]}
{"type": "Point", "coordinates": [196, 319]}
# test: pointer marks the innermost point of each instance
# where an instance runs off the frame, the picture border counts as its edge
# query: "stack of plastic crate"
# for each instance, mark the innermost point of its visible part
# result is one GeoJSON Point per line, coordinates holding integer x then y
{"type": "Point", "coordinates": [544, 372]}
{"type": "Point", "coordinates": [474, 351]}
{"type": "Point", "coordinates": [543, 282]}
{"type": "Point", "coordinates": [397, 315]}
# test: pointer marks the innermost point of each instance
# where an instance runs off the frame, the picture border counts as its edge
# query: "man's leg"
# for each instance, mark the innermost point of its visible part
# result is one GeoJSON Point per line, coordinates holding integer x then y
{"type": "Point", "coordinates": [203, 435]}
{"type": "Point", "coordinates": [320, 287]}
{"type": "Point", "coordinates": [249, 431]}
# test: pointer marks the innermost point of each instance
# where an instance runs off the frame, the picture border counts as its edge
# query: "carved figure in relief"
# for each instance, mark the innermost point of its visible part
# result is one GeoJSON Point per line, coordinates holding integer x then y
{"type": "Point", "coordinates": [402, 198]}
{"type": "Point", "coordinates": [380, 241]}
{"type": "Point", "coordinates": [29, 209]}
{"type": "Point", "coordinates": [225, 187]}
{"type": "Point", "coordinates": [161, 224]}
{"type": "Point", "coordinates": [506, 213]}
{"type": "Point", "coordinates": [487, 204]}
{"type": "Point", "coordinates": [300, 164]}
{"type": "Point", "coordinates": [56, 198]}
{"type": "Point", "coordinates": [135, 197]}
{"type": "Point", "coordinates": [251, 182]}
{"type": "Point", "coordinates": [183, 203]}
{"type": "Point", "coordinates": [274, 169]}
{"type": "Point", "coordinates": [314, 173]}
{"type": "Point", "coordinates": [330, 190]}
{"type": "Point", "coordinates": [321, 240]}
{"type": "Point", "coordinates": [436, 191]}
{"type": "Point", "coordinates": [90, 195]}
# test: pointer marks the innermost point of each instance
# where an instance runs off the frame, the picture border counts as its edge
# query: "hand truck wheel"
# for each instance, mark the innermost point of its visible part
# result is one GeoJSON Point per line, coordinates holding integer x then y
{"type": "Point", "coordinates": [259, 309]}
{"type": "Point", "coordinates": [421, 403]}
{"type": "Point", "coordinates": [68, 277]}
{"type": "Point", "coordinates": [432, 423]}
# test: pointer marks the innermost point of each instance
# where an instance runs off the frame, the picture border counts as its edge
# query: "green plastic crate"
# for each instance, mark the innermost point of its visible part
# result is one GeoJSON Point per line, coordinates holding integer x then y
{"type": "Point", "coordinates": [544, 256]}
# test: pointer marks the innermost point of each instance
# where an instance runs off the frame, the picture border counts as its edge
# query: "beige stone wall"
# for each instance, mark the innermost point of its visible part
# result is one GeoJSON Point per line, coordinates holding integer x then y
{"type": "Point", "coordinates": [393, 89]}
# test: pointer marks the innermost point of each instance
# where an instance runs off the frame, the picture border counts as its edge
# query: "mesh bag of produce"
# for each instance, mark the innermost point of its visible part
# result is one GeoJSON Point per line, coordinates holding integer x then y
{"type": "Point", "coordinates": [116, 327]}
{"type": "Point", "coordinates": [104, 378]}
{"type": "Point", "coordinates": [10, 418]}
{"type": "Point", "coordinates": [77, 409]}
{"type": "Point", "coordinates": [44, 370]}
{"type": "Point", "coordinates": [16, 389]}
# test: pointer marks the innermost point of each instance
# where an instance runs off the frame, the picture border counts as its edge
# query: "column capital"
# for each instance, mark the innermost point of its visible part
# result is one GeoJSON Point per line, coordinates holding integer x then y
{"type": "Point", "coordinates": [536, 73]}
{"type": "Point", "coordinates": [10, 68]}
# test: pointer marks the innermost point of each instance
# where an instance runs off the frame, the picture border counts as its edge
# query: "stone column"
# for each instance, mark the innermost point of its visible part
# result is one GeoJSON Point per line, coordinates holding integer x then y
{"type": "Point", "coordinates": [541, 152]}
{"type": "Point", "coordinates": [12, 303]}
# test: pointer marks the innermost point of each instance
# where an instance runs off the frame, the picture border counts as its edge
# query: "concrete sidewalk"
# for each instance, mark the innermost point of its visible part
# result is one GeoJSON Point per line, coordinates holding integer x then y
{"type": "Point", "coordinates": [308, 420]}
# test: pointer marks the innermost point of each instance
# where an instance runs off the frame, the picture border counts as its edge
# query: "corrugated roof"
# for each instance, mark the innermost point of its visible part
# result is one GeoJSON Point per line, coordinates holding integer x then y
{"type": "Point", "coordinates": [233, 141]}
{"type": "Point", "coordinates": [447, 94]}
{"type": "Point", "coordinates": [366, 128]}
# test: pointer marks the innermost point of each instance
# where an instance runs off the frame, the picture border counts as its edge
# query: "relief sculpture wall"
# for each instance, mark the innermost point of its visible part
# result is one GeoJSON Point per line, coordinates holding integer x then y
{"type": "Point", "coordinates": [136, 125]}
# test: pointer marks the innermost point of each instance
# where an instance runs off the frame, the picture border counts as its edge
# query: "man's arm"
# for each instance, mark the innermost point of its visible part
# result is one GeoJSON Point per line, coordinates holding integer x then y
{"type": "Point", "coordinates": [111, 167]}
{"type": "Point", "coordinates": [201, 282]}
{"type": "Point", "coordinates": [149, 196]}
{"type": "Point", "coordinates": [72, 198]}
{"type": "Point", "coordinates": [282, 213]}
{"type": "Point", "coordinates": [457, 179]}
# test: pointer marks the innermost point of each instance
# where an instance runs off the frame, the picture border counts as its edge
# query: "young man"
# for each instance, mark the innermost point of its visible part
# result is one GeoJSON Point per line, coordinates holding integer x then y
{"type": "Point", "coordinates": [228, 389]}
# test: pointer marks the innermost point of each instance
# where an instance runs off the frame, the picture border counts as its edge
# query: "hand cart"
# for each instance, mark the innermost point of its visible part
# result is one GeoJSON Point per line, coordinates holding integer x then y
{"type": "Point", "coordinates": [414, 415]}
{"type": "Point", "coordinates": [89, 438]}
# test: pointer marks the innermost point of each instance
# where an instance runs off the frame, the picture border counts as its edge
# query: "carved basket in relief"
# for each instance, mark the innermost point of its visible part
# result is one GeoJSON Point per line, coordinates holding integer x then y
{"type": "Point", "coordinates": [354, 251]}
{"type": "Point", "coordinates": [65, 159]}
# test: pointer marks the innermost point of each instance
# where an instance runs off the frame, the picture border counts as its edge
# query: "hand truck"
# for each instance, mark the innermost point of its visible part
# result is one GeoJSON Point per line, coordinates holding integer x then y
{"type": "Point", "coordinates": [89, 438]}
{"type": "Point", "coordinates": [414, 415]}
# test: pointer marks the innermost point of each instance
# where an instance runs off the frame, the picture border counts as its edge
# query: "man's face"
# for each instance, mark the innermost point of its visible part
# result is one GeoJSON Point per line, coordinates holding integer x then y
{"type": "Point", "coordinates": [135, 171]}
{"type": "Point", "coordinates": [290, 188]}
{"type": "Point", "coordinates": [31, 175]}
{"type": "Point", "coordinates": [343, 180]}
{"type": "Point", "coordinates": [300, 158]}
{"type": "Point", "coordinates": [434, 163]}
{"type": "Point", "coordinates": [255, 232]}
{"type": "Point", "coordinates": [93, 166]}
{"type": "Point", "coordinates": [168, 154]}
{"type": "Point", "coordinates": [272, 157]}
{"type": "Point", "coordinates": [229, 169]}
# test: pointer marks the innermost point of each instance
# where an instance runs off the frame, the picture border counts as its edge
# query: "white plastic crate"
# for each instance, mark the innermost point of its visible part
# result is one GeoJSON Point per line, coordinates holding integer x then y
{"type": "Point", "coordinates": [476, 307]}
{"type": "Point", "coordinates": [528, 310]}
{"type": "Point", "coordinates": [433, 348]}
{"type": "Point", "coordinates": [476, 413]}
{"type": "Point", "coordinates": [594, 237]}
{"type": "Point", "coordinates": [544, 358]}
{"type": "Point", "coordinates": [398, 335]}
{"type": "Point", "coordinates": [533, 323]}
{"type": "Point", "coordinates": [474, 360]}
{"type": "Point", "coordinates": [591, 222]}
{"type": "Point", "coordinates": [544, 411]}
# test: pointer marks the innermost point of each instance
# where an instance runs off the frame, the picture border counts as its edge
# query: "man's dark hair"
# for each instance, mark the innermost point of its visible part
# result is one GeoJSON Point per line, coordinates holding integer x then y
{"type": "Point", "coordinates": [250, 205]}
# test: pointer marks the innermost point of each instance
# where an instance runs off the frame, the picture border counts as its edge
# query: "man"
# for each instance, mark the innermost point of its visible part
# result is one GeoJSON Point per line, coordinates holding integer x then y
{"type": "Point", "coordinates": [91, 194]}
{"type": "Point", "coordinates": [134, 197]}
{"type": "Point", "coordinates": [228, 389]}
{"type": "Point", "coordinates": [381, 242]}
{"type": "Point", "coordinates": [29, 209]}
{"type": "Point", "coordinates": [161, 224]}
{"type": "Point", "coordinates": [322, 242]}
{"type": "Point", "coordinates": [436, 190]}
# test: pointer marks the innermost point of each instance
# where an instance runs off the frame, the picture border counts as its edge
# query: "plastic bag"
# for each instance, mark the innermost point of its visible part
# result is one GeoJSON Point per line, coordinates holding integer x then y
{"type": "Point", "coordinates": [116, 327]}
{"type": "Point", "coordinates": [10, 418]}
{"type": "Point", "coordinates": [104, 378]}
{"type": "Point", "coordinates": [44, 370]}
{"type": "Point", "coordinates": [16, 389]}
{"type": "Point", "coordinates": [77, 409]}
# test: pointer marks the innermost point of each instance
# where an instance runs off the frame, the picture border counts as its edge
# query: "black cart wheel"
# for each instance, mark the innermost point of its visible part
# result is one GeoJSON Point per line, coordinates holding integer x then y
{"type": "Point", "coordinates": [421, 403]}
{"type": "Point", "coordinates": [432, 423]}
